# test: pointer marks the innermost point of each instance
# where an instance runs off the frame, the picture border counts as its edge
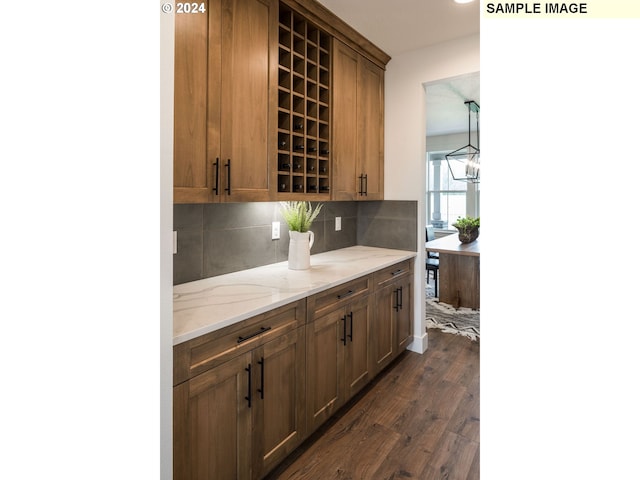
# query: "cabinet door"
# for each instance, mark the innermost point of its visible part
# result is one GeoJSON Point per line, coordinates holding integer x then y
{"type": "Point", "coordinates": [371, 128]}
{"type": "Point", "coordinates": [382, 331]}
{"type": "Point", "coordinates": [345, 74]}
{"type": "Point", "coordinates": [212, 424]}
{"type": "Point", "coordinates": [325, 367]}
{"type": "Point", "coordinates": [249, 34]}
{"type": "Point", "coordinates": [404, 316]}
{"type": "Point", "coordinates": [357, 362]}
{"type": "Point", "coordinates": [358, 126]}
{"type": "Point", "coordinates": [278, 416]}
{"type": "Point", "coordinates": [191, 174]}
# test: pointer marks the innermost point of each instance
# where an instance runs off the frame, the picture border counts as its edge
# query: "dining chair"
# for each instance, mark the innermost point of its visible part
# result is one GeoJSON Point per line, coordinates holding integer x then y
{"type": "Point", "coordinates": [432, 261]}
{"type": "Point", "coordinates": [431, 236]}
{"type": "Point", "coordinates": [433, 265]}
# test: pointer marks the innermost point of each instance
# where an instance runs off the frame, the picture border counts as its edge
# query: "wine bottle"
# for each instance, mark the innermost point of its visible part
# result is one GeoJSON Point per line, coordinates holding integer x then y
{"type": "Point", "coordinates": [299, 147]}
{"type": "Point", "coordinates": [285, 166]}
{"type": "Point", "coordinates": [311, 168]}
{"type": "Point", "coordinates": [311, 149]}
{"type": "Point", "coordinates": [324, 151]}
{"type": "Point", "coordinates": [298, 126]}
{"type": "Point", "coordinates": [282, 144]}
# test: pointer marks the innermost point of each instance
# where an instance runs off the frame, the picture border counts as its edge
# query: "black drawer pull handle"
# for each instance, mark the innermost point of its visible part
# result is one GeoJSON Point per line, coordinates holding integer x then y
{"type": "Point", "coordinates": [248, 397]}
{"type": "Point", "coordinates": [400, 302]}
{"type": "Point", "coordinates": [261, 389]}
{"type": "Point", "coordinates": [254, 334]}
{"type": "Point", "coordinates": [217, 165]}
{"type": "Point", "coordinates": [228, 167]}
{"type": "Point", "coordinates": [398, 305]}
{"type": "Point", "coordinates": [344, 330]}
{"type": "Point", "coordinates": [351, 326]}
{"type": "Point", "coordinates": [345, 295]}
{"type": "Point", "coordinates": [397, 272]}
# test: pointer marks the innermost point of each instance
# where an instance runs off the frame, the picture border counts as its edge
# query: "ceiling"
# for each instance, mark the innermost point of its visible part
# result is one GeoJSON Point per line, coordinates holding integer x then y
{"type": "Point", "coordinates": [403, 25]}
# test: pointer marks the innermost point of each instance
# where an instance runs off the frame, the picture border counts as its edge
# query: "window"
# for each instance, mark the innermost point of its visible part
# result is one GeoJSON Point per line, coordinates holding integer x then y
{"type": "Point", "coordinates": [448, 199]}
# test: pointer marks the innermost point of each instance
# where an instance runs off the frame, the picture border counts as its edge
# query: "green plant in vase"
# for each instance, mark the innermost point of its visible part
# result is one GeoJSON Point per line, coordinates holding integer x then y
{"type": "Point", "coordinates": [299, 216]}
{"type": "Point", "coordinates": [468, 228]}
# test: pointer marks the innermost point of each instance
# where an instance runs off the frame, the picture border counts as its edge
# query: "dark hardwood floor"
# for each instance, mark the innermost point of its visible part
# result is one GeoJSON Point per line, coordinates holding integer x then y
{"type": "Point", "coordinates": [420, 419]}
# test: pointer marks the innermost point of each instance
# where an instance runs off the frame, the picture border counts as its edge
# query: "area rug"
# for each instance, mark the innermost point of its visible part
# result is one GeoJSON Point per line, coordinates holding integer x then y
{"type": "Point", "coordinates": [459, 321]}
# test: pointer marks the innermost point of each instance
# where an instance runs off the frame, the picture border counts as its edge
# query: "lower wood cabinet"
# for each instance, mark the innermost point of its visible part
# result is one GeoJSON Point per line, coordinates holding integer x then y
{"type": "Point", "coordinates": [393, 330]}
{"type": "Point", "coordinates": [279, 406]}
{"type": "Point", "coordinates": [247, 395]}
{"type": "Point", "coordinates": [241, 417]}
{"type": "Point", "coordinates": [212, 424]}
{"type": "Point", "coordinates": [338, 359]}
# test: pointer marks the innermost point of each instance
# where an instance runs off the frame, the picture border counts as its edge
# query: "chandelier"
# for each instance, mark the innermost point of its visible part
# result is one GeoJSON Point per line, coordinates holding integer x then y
{"type": "Point", "coordinates": [464, 163]}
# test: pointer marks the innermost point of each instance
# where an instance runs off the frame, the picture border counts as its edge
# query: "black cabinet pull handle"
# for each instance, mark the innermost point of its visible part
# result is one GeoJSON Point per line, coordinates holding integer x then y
{"type": "Point", "coordinates": [351, 326]}
{"type": "Point", "coordinates": [400, 302]}
{"type": "Point", "coordinates": [344, 330]}
{"type": "Point", "coordinates": [217, 183]}
{"type": "Point", "coordinates": [228, 166]}
{"type": "Point", "coordinates": [254, 334]}
{"type": "Point", "coordinates": [396, 307]}
{"type": "Point", "coordinates": [366, 185]}
{"type": "Point", "coordinates": [248, 397]}
{"type": "Point", "coordinates": [345, 295]}
{"type": "Point", "coordinates": [397, 272]}
{"type": "Point", "coordinates": [261, 389]}
{"type": "Point", "coordinates": [361, 177]}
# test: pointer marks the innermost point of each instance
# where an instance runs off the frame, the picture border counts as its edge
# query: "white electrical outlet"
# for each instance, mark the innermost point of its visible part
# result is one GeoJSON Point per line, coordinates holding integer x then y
{"type": "Point", "coordinates": [338, 224]}
{"type": "Point", "coordinates": [175, 242]}
{"type": "Point", "coordinates": [275, 230]}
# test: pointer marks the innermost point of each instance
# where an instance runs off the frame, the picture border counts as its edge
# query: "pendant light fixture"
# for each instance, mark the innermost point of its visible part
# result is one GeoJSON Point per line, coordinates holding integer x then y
{"type": "Point", "coordinates": [464, 163]}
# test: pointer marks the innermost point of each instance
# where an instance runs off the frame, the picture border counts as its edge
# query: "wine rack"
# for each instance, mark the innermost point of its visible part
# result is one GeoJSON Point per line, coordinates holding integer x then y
{"type": "Point", "coordinates": [304, 99]}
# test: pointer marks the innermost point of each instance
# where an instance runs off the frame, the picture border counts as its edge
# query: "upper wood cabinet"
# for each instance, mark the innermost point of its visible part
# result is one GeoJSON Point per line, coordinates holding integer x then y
{"type": "Point", "coordinates": [276, 100]}
{"type": "Point", "coordinates": [224, 104]}
{"type": "Point", "coordinates": [358, 126]}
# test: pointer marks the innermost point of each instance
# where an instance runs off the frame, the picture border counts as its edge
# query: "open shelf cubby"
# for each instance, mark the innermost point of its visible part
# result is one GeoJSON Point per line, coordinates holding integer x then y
{"type": "Point", "coordinates": [304, 94]}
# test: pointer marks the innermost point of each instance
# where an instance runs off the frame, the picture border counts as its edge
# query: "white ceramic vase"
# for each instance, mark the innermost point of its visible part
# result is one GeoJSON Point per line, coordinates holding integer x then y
{"type": "Point", "coordinates": [300, 244]}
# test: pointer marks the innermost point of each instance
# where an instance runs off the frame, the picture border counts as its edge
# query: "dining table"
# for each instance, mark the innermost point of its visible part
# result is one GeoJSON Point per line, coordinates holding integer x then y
{"type": "Point", "coordinates": [459, 271]}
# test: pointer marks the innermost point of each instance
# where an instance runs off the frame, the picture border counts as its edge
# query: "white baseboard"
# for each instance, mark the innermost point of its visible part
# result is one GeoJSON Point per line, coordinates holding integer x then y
{"type": "Point", "coordinates": [419, 344]}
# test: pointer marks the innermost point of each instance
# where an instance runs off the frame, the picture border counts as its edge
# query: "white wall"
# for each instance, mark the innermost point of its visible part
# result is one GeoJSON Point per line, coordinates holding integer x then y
{"type": "Point", "coordinates": [405, 142]}
{"type": "Point", "coordinates": [166, 246]}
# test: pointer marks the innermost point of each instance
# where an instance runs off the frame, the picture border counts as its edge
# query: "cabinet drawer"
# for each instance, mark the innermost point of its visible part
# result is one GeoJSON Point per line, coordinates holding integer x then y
{"type": "Point", "coordinates": [392, 273]}
{"type": "Point", "coordinates": [207, 351]}
{"type": "Point", "coordinates": [326, 301]}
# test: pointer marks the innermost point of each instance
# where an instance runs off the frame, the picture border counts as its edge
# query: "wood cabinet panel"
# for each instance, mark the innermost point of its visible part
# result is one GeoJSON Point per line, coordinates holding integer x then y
{"type": "Point", "coordinates": [345, 124]}
{"type": "Point", "coordinates": [404, 316]}
{"type": "Point", "coordinates": [358, 116]}
{"type": "Point", "coordinates": [382, 333]}
{"type": "Point", "coordinates": [247, 30]}
{"type": "Point", "coordinates": [190, 172]}
{"type": "Point", "coordinates": [357, 363]}
{"type": "Point", "coordinates": [325, 360]}
{"type": "Point", "coordinates": [279, 420]}
{"type": "Point", "coordinates": [207, 351]}
{"type": "Point", "coordinates": [224, 106]}
{"type": "Point", "coordinates": [371, 128]}
{"type": "Point", "coordinates": [212, 424]}
{"type": "Point", "coordinates": [338, 351]}
{"type": "Point", "coordinates": [393, 329]}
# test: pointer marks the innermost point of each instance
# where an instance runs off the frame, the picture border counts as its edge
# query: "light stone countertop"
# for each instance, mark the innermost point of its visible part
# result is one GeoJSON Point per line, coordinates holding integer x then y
{"type": "Point", "coordinates": [209, 304]}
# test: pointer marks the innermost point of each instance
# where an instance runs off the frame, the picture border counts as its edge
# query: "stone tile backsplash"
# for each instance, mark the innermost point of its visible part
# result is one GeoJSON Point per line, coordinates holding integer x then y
{"type": "Point", "coordinates": [214, 239]}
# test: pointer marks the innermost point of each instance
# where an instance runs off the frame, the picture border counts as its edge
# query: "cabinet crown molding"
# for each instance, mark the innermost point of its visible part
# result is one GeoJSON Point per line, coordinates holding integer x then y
{"type": "Point", "coordinates": [334, 25]}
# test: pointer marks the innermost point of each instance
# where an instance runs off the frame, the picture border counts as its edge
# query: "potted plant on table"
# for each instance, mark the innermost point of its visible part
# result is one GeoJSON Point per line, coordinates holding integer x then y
{"type": "Point", "coordinates": [299, 216]}
{"type": "Point", "coordinates": [468, 228]}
